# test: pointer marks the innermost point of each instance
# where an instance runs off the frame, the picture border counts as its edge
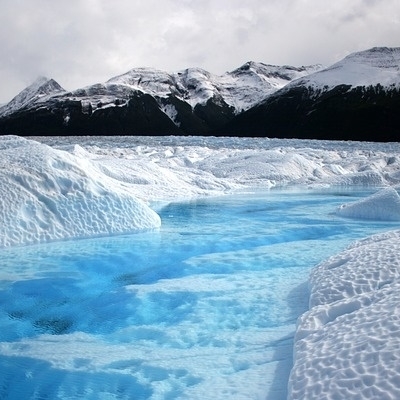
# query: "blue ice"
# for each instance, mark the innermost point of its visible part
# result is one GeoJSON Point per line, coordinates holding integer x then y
{"type": "Point", "coordinates": [205, 307]}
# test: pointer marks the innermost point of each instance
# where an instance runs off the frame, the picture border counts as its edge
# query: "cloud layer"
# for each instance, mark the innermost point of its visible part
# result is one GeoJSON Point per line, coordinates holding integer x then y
{"type": "Point", "coordinates": [83, 42]}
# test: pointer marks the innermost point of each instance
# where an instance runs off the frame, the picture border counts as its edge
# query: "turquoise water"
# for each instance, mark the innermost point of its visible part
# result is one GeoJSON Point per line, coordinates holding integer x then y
{"type": "Point", "coordinates": [207, 304]}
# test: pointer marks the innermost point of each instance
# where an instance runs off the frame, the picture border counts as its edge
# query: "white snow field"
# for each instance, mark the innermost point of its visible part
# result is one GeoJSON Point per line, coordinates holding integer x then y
{"type": "Point", "coordinates": [346, 346]}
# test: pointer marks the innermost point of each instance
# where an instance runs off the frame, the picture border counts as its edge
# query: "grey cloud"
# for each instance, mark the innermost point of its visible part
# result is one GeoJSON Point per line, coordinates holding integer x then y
{"type": "Point", "coordinates": [83, 42]}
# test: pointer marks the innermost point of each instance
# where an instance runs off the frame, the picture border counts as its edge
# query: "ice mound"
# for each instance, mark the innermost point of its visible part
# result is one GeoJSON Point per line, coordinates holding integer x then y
{"type": "Point", "coordinates": [383, 205]}
{"type": "Point", "coordinates": [347, 345]}
{"type": "Point", "coordinates": [48, 194]}
{"type": "Point", "coordinates": [180, 168]}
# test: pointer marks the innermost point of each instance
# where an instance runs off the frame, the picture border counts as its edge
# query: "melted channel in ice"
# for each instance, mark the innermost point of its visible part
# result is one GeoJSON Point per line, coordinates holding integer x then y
{"type": "Point", "coordinates": [206, 304]}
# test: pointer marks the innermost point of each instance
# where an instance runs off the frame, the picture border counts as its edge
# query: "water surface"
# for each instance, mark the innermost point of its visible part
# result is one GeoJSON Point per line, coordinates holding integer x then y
{"type": "Point", "coordinates": [205, 307]}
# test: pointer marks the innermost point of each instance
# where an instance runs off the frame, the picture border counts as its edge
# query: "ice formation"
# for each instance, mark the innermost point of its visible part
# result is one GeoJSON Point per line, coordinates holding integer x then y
{"type": "Point", "coordinates": [92, 185]}
{"type": "Point", "coordinates": [347, 346]}
{"type": "Point", "coordinates": [383, 205]}
{"type": "Point", "coordinates": [48, 194]}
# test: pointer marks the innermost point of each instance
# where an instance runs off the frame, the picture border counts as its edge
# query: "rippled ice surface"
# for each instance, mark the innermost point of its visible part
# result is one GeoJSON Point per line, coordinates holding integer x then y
{"type": "Point", "coordinates": [203, 308]}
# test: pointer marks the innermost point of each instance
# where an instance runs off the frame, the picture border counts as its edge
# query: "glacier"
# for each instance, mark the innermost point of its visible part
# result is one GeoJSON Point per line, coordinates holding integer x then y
{"type": "Point", "coordinates": [383, 205]}
{"type": "Point", "coordinates": [48, 194]}
{"type": "Point", "coordinates": [346, 345]}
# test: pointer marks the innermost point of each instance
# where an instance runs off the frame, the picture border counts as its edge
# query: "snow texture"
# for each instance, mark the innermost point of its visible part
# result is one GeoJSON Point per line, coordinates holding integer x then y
{"type": "Point", "coordinates": [347, 346]}
{"type": "Point", "coordinates": [48, 194]}
{"type": "Point", "coordinates": [384, 205]}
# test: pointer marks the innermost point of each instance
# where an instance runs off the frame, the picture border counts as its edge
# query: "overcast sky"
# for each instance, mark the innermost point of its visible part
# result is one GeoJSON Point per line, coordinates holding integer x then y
{"type": "Point", "coordinates": [80, 42]}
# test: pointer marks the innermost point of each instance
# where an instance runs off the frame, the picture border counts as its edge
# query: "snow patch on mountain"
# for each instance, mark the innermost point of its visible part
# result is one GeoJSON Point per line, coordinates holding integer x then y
{"type": "Point", "coordinates": [172, 113]}
{"type": "Point", "coordinates": [376, 66]}
{"type": "Point", "coordinates": [240, 89]}
{"type": "Point", "coordinates": [40, 90]}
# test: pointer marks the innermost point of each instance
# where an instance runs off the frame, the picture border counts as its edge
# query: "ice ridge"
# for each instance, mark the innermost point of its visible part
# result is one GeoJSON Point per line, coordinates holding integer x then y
{"type": "Point", "coordinates": [48, 194]}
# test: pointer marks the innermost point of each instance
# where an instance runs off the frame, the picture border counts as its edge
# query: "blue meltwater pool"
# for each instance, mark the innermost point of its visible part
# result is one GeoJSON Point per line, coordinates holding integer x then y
{"type": "Point", "coordinates": [204, 308]}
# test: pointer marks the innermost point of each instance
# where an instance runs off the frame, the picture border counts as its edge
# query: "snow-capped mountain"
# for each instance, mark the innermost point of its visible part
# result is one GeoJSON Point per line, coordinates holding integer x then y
{"type": "Point", "coordinates": [379, 65]}
{"type": "Point", "coordinates": [145, 100]}
{"type": "Point", "coordinates": [240, 89]}
{"type": "Point", "coordinates": [357, 98]}
{"type": "Point", "coordinates": [40, 90]}
{"type": "Point", "coordinates": [252, 82]}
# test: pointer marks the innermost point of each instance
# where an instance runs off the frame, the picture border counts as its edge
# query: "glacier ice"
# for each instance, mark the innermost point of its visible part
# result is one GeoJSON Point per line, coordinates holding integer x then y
{"type": "Point", "coordinates": [49, 194]}
{"type": "Point", "coordinates": [45, 190]}
{"type": "Point", "coordinates": [383, 205]}
{"type": "Point", "coordinates": [347, 344]}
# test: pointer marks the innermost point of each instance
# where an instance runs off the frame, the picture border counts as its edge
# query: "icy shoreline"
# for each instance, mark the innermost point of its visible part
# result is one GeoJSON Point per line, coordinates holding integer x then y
{"type": "Point", "coordinates": [58, 188]}
{"type": "Point", "coordinates": [346, 345]}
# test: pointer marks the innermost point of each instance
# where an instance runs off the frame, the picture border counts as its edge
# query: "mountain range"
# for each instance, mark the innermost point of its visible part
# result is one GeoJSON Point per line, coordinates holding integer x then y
{"type": "Point", "coordinates": [358, 98]}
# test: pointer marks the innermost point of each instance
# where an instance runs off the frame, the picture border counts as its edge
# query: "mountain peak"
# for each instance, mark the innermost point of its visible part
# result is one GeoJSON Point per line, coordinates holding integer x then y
{"type": "Point", "coordinates": [136, 75]}
{"type": "Point", "coordinates": [40, 88]}
{"type": "Point", "coordinates": [283, 72]}
{"type": "Point", "coordinates": [280, 100]}
{"type": "Point", "coordinates": [378, 65]}
{"type": "Point", "coordinates": [377, 57]}
{"type": "Point", "coordinates": [40, 80]}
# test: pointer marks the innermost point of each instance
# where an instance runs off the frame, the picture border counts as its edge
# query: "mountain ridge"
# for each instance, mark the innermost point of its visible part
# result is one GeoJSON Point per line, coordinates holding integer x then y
{"type": "Point", "coordinates": [357, 98]}
{"type": "Point", "coordinates": [40, 88]}
{"type": "Point", "coordinates": [140, 100]}
{"type": "Point", "coordinates": [361, 69]}
{"type": "Point", "coordinates": [359, 93]}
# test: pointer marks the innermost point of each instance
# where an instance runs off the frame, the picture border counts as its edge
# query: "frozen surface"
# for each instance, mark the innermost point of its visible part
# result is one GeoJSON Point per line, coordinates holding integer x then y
{"type": "Point", "coordinates": [348, 345]}
{"type": "Point", "coordinates": [173, 168]}
{"type": "Point", "coordinates": [81, 187]}
{"type": "Point", "coordinates": [383, 205]}
{"type": "Point", "coordinates": [199, 306]}
{"type": "Point", "coordinates": [48, 194]}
